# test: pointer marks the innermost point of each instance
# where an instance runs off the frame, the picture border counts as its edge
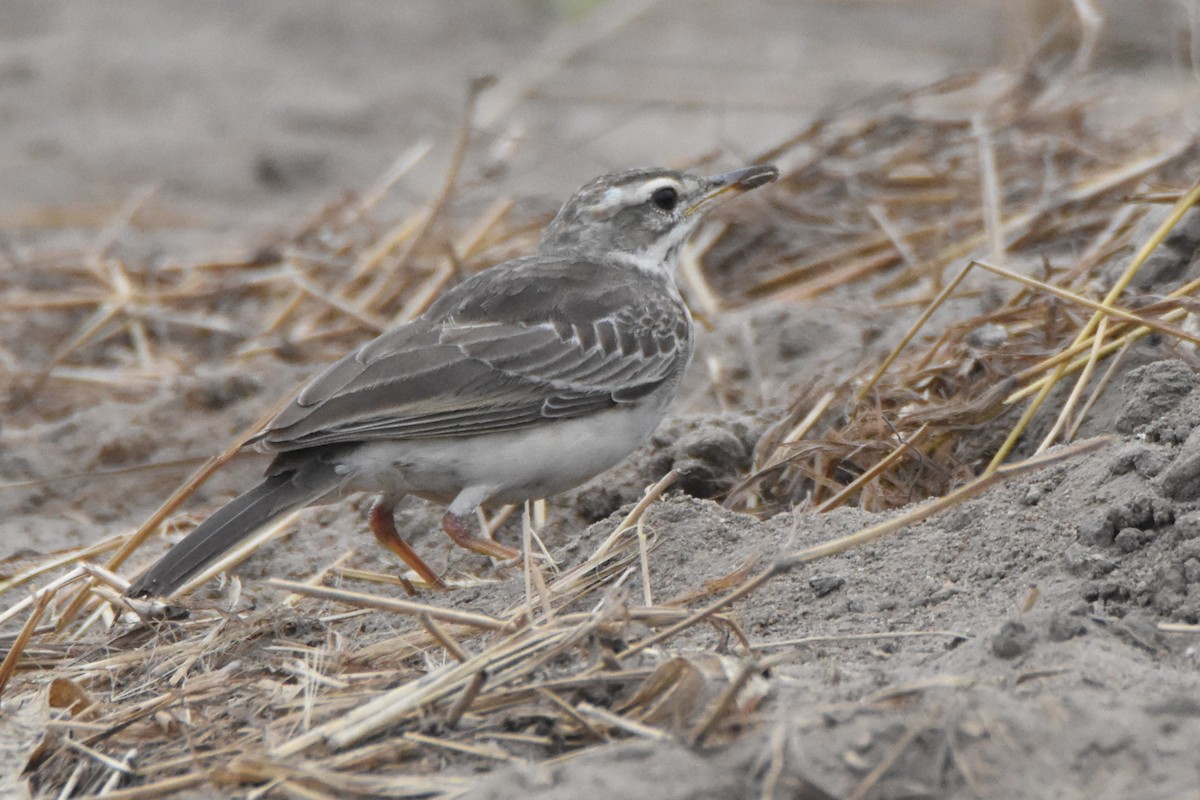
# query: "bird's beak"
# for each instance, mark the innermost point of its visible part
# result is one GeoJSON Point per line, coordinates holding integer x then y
{"type": "Point", "coordinates": [736, 182]}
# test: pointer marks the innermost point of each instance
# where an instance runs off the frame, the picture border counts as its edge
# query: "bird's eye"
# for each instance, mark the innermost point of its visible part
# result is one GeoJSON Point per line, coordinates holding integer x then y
{"type": "Point", "coordinates": [665, 198]}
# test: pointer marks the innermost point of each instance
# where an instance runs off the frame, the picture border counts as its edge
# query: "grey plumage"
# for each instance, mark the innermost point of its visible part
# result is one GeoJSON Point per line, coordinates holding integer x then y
{"type": "Point", "coordinates": [524, 380]}
{"type": "Point", "coordinates": [290, 483]}
{"type": "Point", "coordinates": [504, 349]}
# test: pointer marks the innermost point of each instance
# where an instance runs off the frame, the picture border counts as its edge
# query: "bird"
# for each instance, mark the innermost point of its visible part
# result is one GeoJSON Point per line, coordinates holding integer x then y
{"type": "Point", "coordinates": [522, 381]}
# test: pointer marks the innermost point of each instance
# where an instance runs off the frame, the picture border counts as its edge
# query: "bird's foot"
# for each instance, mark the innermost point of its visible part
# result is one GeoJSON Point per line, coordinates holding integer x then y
{"type": "Point", "coordinates": [383, 525]}
{"type": "Point", "coordinates": [459, 530]}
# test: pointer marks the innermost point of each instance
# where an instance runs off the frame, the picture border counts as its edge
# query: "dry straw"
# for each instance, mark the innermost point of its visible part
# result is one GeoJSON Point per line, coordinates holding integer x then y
{"type": "Point", "coordinates": [888, 200]}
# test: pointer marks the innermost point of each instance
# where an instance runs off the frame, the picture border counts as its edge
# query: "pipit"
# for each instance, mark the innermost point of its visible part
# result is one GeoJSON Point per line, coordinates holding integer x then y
{"type": "Point", "coordinates": [521, 382]}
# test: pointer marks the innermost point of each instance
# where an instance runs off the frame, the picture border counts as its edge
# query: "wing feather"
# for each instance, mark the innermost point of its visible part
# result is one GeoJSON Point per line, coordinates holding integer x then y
{"type": "Point", "coordinates": [520, 343]}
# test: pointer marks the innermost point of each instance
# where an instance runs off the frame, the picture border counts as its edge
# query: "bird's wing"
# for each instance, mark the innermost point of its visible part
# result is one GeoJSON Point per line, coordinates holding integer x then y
{"type": "Point", "coordinates": [531, 340]}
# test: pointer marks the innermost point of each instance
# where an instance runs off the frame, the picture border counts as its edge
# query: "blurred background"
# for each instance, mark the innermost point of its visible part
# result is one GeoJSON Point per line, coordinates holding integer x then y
{"type": "Point", "coordinates": [240, 116]}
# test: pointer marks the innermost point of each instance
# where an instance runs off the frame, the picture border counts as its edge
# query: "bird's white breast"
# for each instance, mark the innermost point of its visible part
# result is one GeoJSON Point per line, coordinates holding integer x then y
{"type": "Point", "coordinates": [511, 466]}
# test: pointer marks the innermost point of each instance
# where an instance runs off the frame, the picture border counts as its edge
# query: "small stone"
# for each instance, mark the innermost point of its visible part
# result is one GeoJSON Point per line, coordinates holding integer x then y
{"type": "Point", "coordinates": [710, 460]}
{"type": "Point", "coordinates": [1065, 626]}
{"type": "Point", "coordinates": [1033, 495]}
{"type": "Point", "coordinates": [826, 584]}
{"type": "Point", "coordinates": [1012, 640]}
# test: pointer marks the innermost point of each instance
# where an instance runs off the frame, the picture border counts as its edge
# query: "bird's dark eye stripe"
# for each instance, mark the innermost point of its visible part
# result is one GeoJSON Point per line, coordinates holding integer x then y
{"type": "Point", "coordinates": [665, 198]}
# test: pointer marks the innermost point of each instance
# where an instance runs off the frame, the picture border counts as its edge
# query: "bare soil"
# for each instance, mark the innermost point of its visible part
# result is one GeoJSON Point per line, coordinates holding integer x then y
{"type": "Point", "coordinates": [1036, 641]}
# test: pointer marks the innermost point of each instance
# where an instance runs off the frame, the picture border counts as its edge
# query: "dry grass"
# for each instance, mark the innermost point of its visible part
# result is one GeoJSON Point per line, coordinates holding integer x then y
{"type": "Point", "coordinates": [289, 700]}
{"type": "Point", "coordinates": [915, 195]}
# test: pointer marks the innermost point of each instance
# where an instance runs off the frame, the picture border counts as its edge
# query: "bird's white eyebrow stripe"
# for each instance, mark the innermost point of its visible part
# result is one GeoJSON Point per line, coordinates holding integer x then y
{"type": "Point", "coordinates": [651, 188]}
{"type": "Point", "coordinates": [628, 195]}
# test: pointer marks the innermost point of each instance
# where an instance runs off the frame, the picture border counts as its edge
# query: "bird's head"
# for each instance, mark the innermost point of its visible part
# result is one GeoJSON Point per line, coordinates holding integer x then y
{"type": "Point", "coordinates": [642, 216]}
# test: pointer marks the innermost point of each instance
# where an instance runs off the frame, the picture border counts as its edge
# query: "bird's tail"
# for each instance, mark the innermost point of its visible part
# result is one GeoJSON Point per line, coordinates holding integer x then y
{"type": "Point", "coordinates": [284, 490]}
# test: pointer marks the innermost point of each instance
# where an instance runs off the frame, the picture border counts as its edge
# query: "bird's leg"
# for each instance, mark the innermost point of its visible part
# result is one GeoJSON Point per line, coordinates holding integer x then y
{"type": "Point", "coordinates": [383, 525]}
{"type": "Point", "coordinates": [458, 528]}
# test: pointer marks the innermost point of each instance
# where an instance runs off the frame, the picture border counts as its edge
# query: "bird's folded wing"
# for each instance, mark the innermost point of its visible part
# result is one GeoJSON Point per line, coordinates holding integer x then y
{"type": "Point", "coordinates": [459, 377]}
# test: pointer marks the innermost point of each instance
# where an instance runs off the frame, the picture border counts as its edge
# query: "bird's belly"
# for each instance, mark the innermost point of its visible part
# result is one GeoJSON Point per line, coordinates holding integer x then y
{"type": "Point", "coordinates": [511, 466]}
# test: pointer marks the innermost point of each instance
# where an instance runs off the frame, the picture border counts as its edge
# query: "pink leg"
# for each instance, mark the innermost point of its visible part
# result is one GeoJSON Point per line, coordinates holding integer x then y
{"type": "Point", "coordinates": [383, 525]}
{"type": "Point", "coordinates": [459, 529]}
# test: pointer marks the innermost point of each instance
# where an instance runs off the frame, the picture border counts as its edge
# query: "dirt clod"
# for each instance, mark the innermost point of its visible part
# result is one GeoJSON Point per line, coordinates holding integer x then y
{"type": "Point", "coordinates": [826, 584]}
{"type": "Point", "coordinates": [1012, 640]}
{"type": "Point", "coordinates": [1065, 626]}
{"type": "Point", "coordinates": [1181, 480]}
{"type": "Point", "coordinates": [710, 460]}
{"type": "Point", "coordinates": [1151, 391]}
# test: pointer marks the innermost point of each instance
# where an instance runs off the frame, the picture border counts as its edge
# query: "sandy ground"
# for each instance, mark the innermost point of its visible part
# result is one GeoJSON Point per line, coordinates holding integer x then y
{"type": "Point", "coordinates": [1007, 648]}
